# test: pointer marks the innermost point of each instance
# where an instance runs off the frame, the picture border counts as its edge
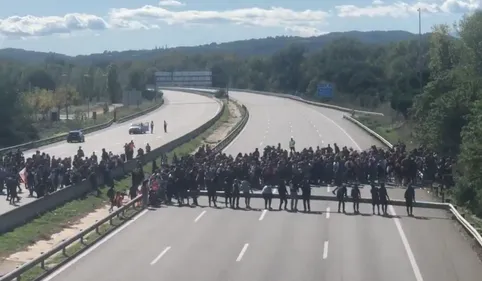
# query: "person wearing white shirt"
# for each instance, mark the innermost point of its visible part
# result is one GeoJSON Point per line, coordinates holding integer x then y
{"type": "Point", "coordinates": [267, 193]}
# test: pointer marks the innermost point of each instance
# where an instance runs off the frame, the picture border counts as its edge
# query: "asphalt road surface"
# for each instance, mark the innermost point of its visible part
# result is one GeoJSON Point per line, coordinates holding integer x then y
{"type": "Point", "coordinates": [227, 245]}
{"type": "Point", "coordinates": [182, 243]}
{"type": "Point", "coordinates": [275, 120]}
{"type": "Point", "coordinates": [183, 113]}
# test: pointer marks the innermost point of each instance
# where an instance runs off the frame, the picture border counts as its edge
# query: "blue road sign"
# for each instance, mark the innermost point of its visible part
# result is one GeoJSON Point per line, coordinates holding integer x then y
{"type": "Point", "coordinates": [325, 90]}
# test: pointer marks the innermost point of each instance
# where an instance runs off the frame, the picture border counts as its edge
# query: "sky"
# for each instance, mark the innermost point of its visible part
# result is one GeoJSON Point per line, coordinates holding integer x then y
{"type": "Point", "coordinates": [84, 27]}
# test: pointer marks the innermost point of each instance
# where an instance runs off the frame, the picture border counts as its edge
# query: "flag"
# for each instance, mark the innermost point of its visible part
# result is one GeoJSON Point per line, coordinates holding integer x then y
{"type": "Point", "coordinates": [23, 175]}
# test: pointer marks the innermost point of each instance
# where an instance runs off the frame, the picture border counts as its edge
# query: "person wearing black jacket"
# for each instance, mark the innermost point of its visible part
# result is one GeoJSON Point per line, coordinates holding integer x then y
{"type": "Point", "coordinates": [356, 195]}
{"type": "Point", "coordinates": [282, 194]}
{"type": "Point", "coordinates": [375, 198]}
{"type": "Point", "coordinates": [341, 194]}
{"type": "Point", "coordinates": [384, 198]}
{"type": "Point", "coordinates": [306, 194]}
{"type": "Point", "coordinates": [409, 199]}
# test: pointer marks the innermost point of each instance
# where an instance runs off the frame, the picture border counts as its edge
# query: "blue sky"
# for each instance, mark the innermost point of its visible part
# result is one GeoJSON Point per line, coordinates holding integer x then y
{"type": "Point", "coordinates": [83, 27]}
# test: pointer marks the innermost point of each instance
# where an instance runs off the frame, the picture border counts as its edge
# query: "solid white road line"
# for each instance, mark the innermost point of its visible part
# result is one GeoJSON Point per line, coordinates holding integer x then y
{"type": "Point", "coordinates": [154, 261]}
{"type": "Point", "coordinates": [328, 212]}
{"type": "Point", "coordinates": [243, 251]}
{"type": "Point", "coordinates": [93, 247]}
{"type": "Point", "coordinates": [200, 216]}
{"type": "Point", "coordinates": [406, 245]}
{"type": "Point", "coordinates": [325, 250]}
{"type": "Point", "coordinates": [263, 213]}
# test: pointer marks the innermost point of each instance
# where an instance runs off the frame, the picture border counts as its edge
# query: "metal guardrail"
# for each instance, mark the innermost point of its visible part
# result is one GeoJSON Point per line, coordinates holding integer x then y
{"type": "Point", "coordinates": [62, 247]}
{"type": "Point", "coordinates": [468, 227]}
{"type": "Point", "coordinates": [23, 214]}
{"type": "Point", "coordinates": [236, 130]}
{"type": "Point", "coordinates": [292, 97]}
{"type": "Point", "coordinates": [88, 130]}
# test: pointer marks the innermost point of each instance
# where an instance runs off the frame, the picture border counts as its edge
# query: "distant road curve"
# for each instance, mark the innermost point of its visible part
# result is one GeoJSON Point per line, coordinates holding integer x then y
{"type": "Point", "coordinates": [182, 111]}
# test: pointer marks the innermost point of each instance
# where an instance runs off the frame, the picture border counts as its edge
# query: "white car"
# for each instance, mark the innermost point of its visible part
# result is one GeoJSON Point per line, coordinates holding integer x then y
{"type": "Point", "coordinates": [140, 128]}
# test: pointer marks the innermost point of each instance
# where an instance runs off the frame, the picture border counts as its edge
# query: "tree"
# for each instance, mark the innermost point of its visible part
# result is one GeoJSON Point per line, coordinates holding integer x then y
{"type": "Point", "coordinates": [137, 80]}
{"type": "Point", "coordinates": [65, 97]}
{"type": "Point", "coordinates": [39, 78]}
{"type": "Point", "coordinates": [113, 86]}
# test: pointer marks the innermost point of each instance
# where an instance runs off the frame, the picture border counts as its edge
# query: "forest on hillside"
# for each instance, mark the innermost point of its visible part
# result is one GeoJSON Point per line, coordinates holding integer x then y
{"type": "Point", "coordinates": [446, 114]}
{"type": "Point", "coordinates": [366, 75]}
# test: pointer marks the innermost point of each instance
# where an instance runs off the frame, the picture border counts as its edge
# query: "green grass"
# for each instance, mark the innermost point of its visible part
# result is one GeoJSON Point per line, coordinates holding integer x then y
{"type": "Point", "coordinates": [43, 227]}
{"type": "Point", "coordinates": [389, 130]}
{"type": "Point", "coordinates": [49, 129]}
{"type": "Point", "coordinates": [88, 240]}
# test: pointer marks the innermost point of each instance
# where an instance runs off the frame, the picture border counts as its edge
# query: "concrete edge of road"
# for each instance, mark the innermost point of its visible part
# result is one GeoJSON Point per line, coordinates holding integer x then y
{"type": "Point", "coordinates": [25, 213]}
{"type": "Point", "coordinates": [470, 229]}
{"type": "Point", "coordinates": [295, 98]}
{"type": "Point", "coordinates": [119, 213]}
{"type": "Point", "coordinates": [88, 130]}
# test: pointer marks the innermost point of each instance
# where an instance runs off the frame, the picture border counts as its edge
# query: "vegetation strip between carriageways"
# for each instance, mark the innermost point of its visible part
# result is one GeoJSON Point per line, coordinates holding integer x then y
{"type": "Point", "coordinates": [470, 229]}
{"type": "Point", "coordinates": [88, 130]}
{"type": "Point", "coordinates": [66, 251]}
{"type": "Point", "coordinates": [21, 215]}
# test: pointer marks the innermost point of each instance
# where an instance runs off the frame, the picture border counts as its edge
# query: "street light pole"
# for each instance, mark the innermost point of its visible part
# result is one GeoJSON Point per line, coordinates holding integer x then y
{"type": "Point", "coordinates": [420, 49]}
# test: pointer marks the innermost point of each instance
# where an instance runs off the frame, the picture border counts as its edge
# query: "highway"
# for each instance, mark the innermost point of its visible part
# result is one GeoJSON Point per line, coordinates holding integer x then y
{"type": "Point", "coordinates": [183, 113]}
{"type": "Point", "coordinates": [174, 243]}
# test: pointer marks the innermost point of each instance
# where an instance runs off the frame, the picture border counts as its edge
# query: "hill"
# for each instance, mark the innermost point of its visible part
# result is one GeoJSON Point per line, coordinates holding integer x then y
{"type": "Point", "coordinates": [242, 48]}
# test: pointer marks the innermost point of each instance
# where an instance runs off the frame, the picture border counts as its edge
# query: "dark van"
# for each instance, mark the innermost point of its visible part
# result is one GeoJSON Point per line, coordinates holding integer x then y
{"type": "Point", "coordinates": [75, 136]}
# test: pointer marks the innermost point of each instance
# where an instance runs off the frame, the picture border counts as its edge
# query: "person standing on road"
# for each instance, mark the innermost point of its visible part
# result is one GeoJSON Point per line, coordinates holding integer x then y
{"type": "Point", "coordinates": [165, 126]}
{"type": "Point", "coordinates": [384, 198]}
{"type": "Point", "coordinates": [409, 199]}
{"type": "Point", "coordinates": [12, 190]}
{"type": "Point", "coordinates": [292, 145]}
{"type": "Point", "coordinates": [152, 127]}
{"type": "Point", "coordinates": [235, 194]}
{"type": "Point", "coordinates": [341, 194]}
{"type": "Point", "coordinates": [246, 187]}
{"type": "Point", "coordinates": [227, 193]}
{"type": "Point", "coordinates": [282, 194]}
{"type": "Point", "coordinates": [267, 193]}
{"type": "Point", "coordinates": [375, 198]}
{"type": "Point", "coordinates": [306, 194]}
{"type": "Point", "coordinates": [356, 195]}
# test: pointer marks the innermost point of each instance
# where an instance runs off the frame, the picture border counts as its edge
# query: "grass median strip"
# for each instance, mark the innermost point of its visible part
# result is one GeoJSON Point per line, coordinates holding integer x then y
{"type": "Point", "coordinates": [43, 227]}
{"type": "Point", "coordinates": [88, 240]}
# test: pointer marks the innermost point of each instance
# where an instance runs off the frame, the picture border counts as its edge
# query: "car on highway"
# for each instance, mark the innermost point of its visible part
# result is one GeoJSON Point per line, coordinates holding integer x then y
{"type": "Point", "coordinates": [140, 128]}
{"type": "Point", "coordinates": [76, 136]}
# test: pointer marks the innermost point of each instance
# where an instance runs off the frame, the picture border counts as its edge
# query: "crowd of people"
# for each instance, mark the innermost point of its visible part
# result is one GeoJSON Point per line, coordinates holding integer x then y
{"type": "Point", "coordinates": [293, 172]}
{"type": "Point", "coordinates": [42, 173]}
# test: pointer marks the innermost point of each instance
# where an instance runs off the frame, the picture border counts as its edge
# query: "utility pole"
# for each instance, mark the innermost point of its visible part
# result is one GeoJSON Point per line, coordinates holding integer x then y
{"type": "Point", "coordinates": [420, 49]}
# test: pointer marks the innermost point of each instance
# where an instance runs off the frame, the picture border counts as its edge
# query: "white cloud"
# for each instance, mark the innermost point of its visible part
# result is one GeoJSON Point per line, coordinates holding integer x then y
{"type": "Point", "coordinates": [303, 23]}
{"type": "Point", "coordinates": [305, 31]}
{"type": "Point", "coordinates": [402, 9]}
{"type": "Point", "coordinates": [29, 26]}
{"type": "Point", "coordinates": [273, 17]}
{"type": "Point", "coordinates": [172, 3]}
